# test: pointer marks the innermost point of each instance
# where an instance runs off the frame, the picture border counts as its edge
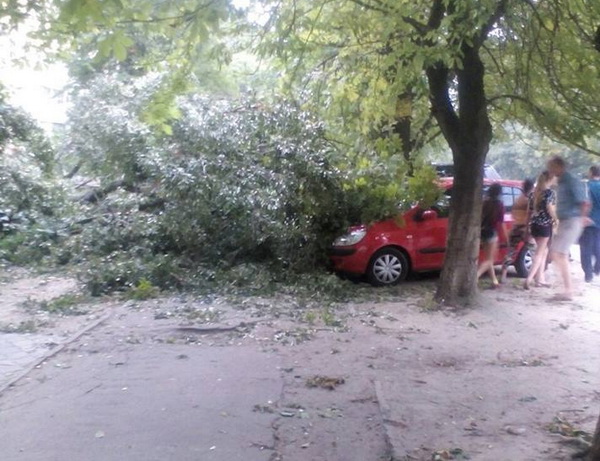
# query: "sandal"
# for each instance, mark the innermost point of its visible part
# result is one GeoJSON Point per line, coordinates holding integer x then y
{"type": "Point", "coordinates": [542, 285]}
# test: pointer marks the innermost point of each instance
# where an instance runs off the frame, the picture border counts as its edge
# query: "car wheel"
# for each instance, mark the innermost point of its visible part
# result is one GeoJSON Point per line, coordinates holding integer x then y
{"type": "Point", "coordinates": [387, 267]}
{"type": "Point", "coordinates": [524, 261]}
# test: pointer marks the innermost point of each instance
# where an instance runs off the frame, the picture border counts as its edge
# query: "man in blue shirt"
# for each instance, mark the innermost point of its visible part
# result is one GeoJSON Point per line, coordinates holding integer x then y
{"type": "Point", "coordinates": [589, 243]}
{"type": "Point", "coordinates": [571, 209]}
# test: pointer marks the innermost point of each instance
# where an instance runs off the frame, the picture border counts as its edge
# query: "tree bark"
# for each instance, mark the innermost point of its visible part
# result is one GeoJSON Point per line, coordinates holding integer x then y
{"type": "Point", "coordinates": [403, 127]}
{"type": "Point", "coordinates": [595, 450]}
{"type": "Point", "coordinates": [469, 134]}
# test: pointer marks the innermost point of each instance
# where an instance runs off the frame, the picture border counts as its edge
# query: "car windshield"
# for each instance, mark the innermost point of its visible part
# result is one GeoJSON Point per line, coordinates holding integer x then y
{"type": "Point", "coordinates": [446, 170]}
{"type": "Point", "coordinates": [441, 204]}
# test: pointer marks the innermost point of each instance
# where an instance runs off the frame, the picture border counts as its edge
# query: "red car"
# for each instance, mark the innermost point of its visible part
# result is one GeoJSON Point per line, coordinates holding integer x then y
{"type": "Point", "coordinates": [415, 241]}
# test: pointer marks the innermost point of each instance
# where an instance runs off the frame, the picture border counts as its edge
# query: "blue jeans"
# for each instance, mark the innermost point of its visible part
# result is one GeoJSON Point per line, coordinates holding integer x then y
{"type": "Point", "coordinates": [589, 245]}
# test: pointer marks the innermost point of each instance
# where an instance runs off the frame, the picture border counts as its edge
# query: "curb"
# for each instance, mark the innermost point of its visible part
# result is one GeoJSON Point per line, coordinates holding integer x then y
{"type": "Point", "coordinates": [51, 353]}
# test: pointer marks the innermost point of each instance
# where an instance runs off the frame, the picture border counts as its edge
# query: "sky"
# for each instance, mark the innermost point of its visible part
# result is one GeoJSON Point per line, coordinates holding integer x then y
{"type": "Point", "coordinates": [34, 87]}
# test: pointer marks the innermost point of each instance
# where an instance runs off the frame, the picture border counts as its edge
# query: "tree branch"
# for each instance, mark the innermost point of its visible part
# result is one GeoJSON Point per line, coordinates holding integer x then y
{"type": "Point", "coordinates": [498, 13]}
{"type": "Point", "coordinates": [185, 16]}
{"type": "Point", "coordinates": [421, 28]}
{"type": "Point", "coordinates": [497, 64]}
{"type": "Point", "coordinates": [439, 91]}
{"type": "Point", "coordinates": [441, 105]}
{"type": "Point", "coordinates": [421, 138]}
{"type": "Point", "coordinates": [436, 15]}
{"type": "Point", "coordinates": [517, 97]}
{"type": "Point", "coordinates": [379, 9]}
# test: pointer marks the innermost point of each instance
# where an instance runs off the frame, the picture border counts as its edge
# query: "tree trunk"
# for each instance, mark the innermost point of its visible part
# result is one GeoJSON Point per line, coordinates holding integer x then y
{"type": "Point", "coordinates": [469, 134]}
{"type": "Point", "coordinates": [403, 127]}
{"type": "Point", "coordinates": [595, 450]}
{"type": "Point", "coordinates": [458, 281]}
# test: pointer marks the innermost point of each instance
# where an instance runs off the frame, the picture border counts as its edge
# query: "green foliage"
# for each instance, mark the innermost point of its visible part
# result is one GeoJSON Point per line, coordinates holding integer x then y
{"type": "Point", "coordinates": [24, 326]}
{"type": "Point", "coordinates": [143, 290]}
{"type": "Point", "coordinates": [14, 12]}
{"type": "Point", "coordinates": [23, 143]}
{"type": "Point", "coordinates": [120, 270]}
{"type": "Point", "coordinates": [242, 192]}
{"type": "Point", "coordinates": [328, 318]}
{"type": "Point", "coordinates": [545, 69]}
{"type": "Point", "coordinates": [138, 37]}
{"type": "Point", "coordinates": [30, 197]}
{"type": "Point", "coordinates": [247, 184]}
{"type": "Point", "coordinates": [104, 129]}
{"type": "Point", "coordinates": [27, 244]}
{"type": "Point", "coordinates": [67, 304]}
{"type": "Point", "coordinates": [422, 187]}
{"type": "Point", "coordinates": [364, 63]}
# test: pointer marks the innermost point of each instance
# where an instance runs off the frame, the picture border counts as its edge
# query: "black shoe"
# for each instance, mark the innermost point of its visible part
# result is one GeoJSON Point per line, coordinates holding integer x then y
{"type": "Point", "coordinates": [589, 278]}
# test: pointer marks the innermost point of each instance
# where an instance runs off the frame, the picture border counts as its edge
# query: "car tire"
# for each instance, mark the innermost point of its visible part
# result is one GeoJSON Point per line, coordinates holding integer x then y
{"type": "Point", "coordinates": [388, 266]}
{"type": "Point", "coordinates": [524, 261]}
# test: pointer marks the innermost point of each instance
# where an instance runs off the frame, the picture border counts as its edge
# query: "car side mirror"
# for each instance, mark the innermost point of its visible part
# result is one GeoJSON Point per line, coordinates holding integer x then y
{"type": "Point", "coordinates": [427, 215]}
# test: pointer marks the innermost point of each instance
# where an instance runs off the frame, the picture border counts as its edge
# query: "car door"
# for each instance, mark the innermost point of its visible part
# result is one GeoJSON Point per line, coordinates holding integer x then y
{"type": "Point", "coordinates": [430, 236]}
{"type": "Point", "coordinates": [509, 195]}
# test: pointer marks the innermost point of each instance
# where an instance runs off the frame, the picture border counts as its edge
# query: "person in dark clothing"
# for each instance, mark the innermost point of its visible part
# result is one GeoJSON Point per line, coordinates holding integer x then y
{"type": "Point", "coordinates": [543, 220]}
{"type": "Point", "coordinates": [492, 227]}
{"type": "Point", "coordinates": [589, 243]}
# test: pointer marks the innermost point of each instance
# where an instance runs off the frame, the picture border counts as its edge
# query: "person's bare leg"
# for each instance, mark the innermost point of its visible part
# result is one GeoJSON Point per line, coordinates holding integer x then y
{"type": "Point", "coordinates": [538, 260]}
{"type": "Point", "coordinates": [490, 249]}
{"type": "Point", "coordinates": [487, 265]}
{"type": "Point", "coordinates": [562, 263]}
{"type": "Point", "coordinates": [482, 268]}
{"type": "Point", "coordinates": [540, 277]}
{"type": "Point", "coordinates": [491, 256]}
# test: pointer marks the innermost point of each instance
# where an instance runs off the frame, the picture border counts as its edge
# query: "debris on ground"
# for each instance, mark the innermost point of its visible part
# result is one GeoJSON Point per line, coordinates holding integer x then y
{"type": "Point", "coordinates": [454, 453]}
{"type": "Point", "coordinates": [563, 427]}
{"type": "Point", "coordinates": [324, 382]}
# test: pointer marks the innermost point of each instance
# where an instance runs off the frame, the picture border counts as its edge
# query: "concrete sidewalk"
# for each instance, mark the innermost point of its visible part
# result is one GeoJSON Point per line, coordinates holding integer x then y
{"type": "Point", "coordinates": [18, 352]}
{"type": "Point", "coordinates": [102, 400]}
{"type": "Point", "coordinates": [149, 383]}
{"type": "Point", "coordinates": [148, 386]}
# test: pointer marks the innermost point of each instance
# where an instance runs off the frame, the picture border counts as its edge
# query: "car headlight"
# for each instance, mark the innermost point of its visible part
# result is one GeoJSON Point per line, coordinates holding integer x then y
{"type": "Point", "coordinates": [351, 238]}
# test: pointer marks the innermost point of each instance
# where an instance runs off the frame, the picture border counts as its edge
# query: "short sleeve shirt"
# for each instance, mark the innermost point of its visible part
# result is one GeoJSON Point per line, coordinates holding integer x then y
{"type": "Point", "coordinates": [571, 195]}
{"type": "Point", "coordinates": [540, 216]}
{"type": "Point", "coordinates": [594, 197]}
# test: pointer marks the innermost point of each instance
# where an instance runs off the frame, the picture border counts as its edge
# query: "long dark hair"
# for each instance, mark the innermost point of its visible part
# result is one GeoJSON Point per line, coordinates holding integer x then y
{"type": "Point", "coordinates": [491, 205]}
{"type": "Point", "coordinates": [528, 186]}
